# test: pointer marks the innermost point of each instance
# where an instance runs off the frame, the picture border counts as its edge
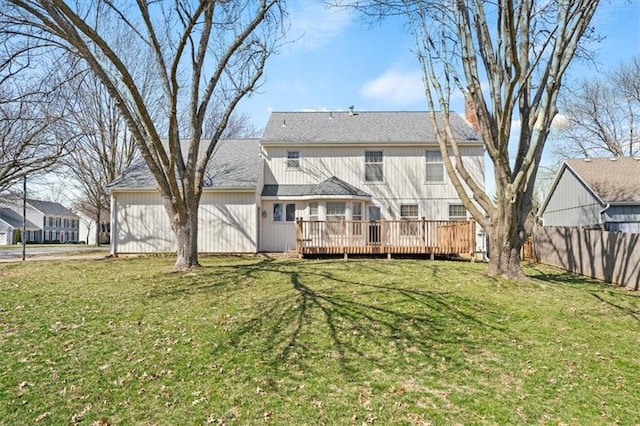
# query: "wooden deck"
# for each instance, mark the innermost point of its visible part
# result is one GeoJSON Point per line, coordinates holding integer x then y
{"type": "Point", "coordinates": [389, 237]}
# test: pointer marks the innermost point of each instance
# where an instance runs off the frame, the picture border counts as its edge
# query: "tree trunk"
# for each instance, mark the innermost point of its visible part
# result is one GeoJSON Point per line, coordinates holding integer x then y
{"type": "Point", "coordinates": [185, 228]}
{"type": "Point", "coordinates": [506, 237]}
{"type": "Point", "coordinates": [98, 226]}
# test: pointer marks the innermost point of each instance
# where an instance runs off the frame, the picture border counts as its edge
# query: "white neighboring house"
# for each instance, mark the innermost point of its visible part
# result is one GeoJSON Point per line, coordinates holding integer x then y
{"type": "Point", "coordinates": [52, 220]}
{"type": "Point", "coordinates": [308, 165]}
{"type": "Point", "coordinates": [11, 223]}
{"type": "Point", "coordinates": [88, 228]}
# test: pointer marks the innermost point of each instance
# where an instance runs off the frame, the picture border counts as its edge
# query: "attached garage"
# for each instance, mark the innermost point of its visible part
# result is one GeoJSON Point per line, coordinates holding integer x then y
{"type": "Point", "coordinates": [228, 213]}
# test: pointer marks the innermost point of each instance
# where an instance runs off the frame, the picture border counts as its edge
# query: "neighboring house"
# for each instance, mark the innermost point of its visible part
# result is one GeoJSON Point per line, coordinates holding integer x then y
{"type": "Point", "coordinates": [314, 166]}
{"type": "Point", "coordinates": [87, 230]}
{"type": "Point", "coordinates": [602, 193]}
{"type": "Point", "coordinates": [11, 223]}
{"type": "Point", "coordinates": [54, 222]}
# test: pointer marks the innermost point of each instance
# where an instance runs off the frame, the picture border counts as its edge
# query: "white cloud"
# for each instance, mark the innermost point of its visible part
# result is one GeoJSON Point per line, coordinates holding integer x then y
{"type": "Point", "coordinates": [398, 88]}
{"type": "Point", "coordinates": [560, 122]}
{"type": "Point", "coordinates": [314, 24]}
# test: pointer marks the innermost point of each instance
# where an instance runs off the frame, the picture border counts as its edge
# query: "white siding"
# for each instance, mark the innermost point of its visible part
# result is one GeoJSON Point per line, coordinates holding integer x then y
{"type": "Point", "coordinates": [404, 174]}
{"type": "Point", "coordinates": [6, 235]}
{"type": "Point", "coordinates": [227, 223]}
{"type": "Point", "coordinates": [571, 204]}
{"type": "Point", "coordinates": [278, 236]}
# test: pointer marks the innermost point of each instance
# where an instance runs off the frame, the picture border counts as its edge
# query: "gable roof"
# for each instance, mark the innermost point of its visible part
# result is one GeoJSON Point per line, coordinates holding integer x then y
{"type": "Point", "coordinates": [14, 219]}
{"type": "Point", "coordinates": [50, 208]}
{"type": "Point", "coordinates": [361, 127]}
{"type": "Point", "coordinates": [613, 180]}
{"type": "Point", "coordinates": [235, 163]}
{"type": "Point", "coordinates": [329, 187]}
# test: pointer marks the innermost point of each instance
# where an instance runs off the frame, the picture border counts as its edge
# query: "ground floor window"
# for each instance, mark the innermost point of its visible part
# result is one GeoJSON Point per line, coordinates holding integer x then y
{"type": "Point", "coordinates": [284, 212]}
{"type": "Point", "coordinates": [409, 214]}
{"type": "Point", "coordinates": [313, 218]}
{"type": "Point", "coordinates": [457, 212]}
{"type": "Point", "coordinates": [356, 214]}
{"type": "Point", "coordinates": [335, 212]}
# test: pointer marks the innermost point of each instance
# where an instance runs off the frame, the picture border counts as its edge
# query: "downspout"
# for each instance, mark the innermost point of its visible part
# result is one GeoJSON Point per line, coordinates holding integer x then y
{"type": "Point", "coordinates": [606, 207]}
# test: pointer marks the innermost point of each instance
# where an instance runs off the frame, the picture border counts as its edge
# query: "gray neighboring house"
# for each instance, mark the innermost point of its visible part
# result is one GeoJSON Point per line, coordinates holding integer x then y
{"type": "Point", "coordinates": [597, 193]}
{"type": "Point", "coordinates": [10, 222]}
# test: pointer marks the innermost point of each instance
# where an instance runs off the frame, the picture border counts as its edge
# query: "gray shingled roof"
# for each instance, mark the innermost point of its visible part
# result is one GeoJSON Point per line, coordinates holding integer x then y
{"type": "Point", "coordinates": [14, 219]}
{"type": "Point", "coordinates": [332, 186]}
{"type": "Point", "coordinates": [362, 127]}
{"type": "Point", "coordinates": [234, 164]}
{"type": "Point", "coordinates": [49, 208]}
{"type": "Point", "coordinates": [614, 181]}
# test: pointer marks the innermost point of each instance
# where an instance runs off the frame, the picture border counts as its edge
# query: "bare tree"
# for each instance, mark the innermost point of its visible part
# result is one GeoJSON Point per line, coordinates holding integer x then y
{"type": "Point", "coordinates": [507, 58]}
{"type": "Point", "coordinates": [29, 144]}
{"type": "Point", "coordinates": [601, 116]}
{"type": "Point", "coordinates": [204, 51]}
{"type": "Point", "coordinates": [104, 147]}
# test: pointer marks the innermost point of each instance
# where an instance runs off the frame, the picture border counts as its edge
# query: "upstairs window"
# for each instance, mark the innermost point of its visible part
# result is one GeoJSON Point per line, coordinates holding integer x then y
{"type": "Point", "coordinates": [373, 166]}
{"type": "Point", "coordinates": [435, 166]}
{"type": "Point", "coordinates": [293, 159]}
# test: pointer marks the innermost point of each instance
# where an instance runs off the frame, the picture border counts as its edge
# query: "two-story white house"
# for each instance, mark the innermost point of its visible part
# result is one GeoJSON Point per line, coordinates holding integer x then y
{"type": "Point", "coordinates": [52, 221]}
{"type": "Point", "coordinates": [317, 167]}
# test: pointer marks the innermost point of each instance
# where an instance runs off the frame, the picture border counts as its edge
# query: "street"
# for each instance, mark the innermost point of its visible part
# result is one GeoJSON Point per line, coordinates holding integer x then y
{"type": "Point", "coordinates": [14, 253]}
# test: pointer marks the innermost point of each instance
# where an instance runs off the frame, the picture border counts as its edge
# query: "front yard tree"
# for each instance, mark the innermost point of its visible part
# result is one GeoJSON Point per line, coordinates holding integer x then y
{"type": "Point", "coordinates": [507, 58]}
{"type": "Point", "coordinates": [204, 52]}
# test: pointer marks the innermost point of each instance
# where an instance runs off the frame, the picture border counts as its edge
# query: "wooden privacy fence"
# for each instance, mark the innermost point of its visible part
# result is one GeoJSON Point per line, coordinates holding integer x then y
{"type": "Point", "coordinates": [411, 236]}
{"type": "Point", "coordinates": [613, 257]}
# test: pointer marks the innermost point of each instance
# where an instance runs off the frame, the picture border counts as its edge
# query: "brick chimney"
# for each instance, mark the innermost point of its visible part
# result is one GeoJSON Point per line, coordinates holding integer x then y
{"type": "Point", "coordinates": [470, 113]}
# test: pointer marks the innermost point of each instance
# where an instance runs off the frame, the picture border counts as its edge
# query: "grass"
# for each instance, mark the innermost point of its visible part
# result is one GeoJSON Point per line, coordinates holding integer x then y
{"type": "Point", "coordinates": [252, 341]}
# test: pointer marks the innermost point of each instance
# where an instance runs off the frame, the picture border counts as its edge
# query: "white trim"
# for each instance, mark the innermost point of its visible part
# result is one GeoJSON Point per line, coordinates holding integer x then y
{"type": "Point", "coordinates": [314, 197]}
{"type": "Point", "coordinates": [298, 143]}
{"type": "Point", "coordinates": [223, 189]}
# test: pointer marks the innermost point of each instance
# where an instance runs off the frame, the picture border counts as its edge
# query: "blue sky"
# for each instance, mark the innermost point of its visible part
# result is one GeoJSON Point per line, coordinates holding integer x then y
{"type": "Point", "coordinates": [339, 60]}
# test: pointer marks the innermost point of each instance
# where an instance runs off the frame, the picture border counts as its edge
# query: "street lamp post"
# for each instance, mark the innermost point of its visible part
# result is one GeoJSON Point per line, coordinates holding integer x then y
{"type": "Point", "coordinates": [24, 217]}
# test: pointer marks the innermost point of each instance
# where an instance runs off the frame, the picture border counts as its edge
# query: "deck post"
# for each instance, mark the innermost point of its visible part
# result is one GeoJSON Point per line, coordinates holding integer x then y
{"type": "Point", "coordinates": [299, 235]}
{"type": "Point", "coordinates": [343, 227]}
{"type": "Point", "coordinates": [382, 235]}
{"type": "Point", "coordinates": [472, 239]}
{"type": "Point", "coordinates": [423, 231]}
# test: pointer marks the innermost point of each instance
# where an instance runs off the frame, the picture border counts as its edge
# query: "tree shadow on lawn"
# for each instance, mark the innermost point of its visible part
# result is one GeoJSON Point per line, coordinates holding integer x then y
{"type": "Point", "coordinates": [316, 313]}
{"type": "Point", "coordinates": [607, 293]}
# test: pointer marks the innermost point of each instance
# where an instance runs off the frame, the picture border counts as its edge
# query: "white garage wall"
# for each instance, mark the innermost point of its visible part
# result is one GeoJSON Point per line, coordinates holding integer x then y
{"type": "Point", "coordinates": [227, 223]}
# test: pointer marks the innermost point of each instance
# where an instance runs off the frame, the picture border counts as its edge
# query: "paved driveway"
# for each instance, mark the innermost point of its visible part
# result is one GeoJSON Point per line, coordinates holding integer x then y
{"type": "Point", "coordinates": [14, 253]}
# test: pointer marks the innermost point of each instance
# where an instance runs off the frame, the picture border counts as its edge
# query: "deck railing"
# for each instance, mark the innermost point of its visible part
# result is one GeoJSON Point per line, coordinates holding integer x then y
{"type": "Point", "coordinates": [411, 236]}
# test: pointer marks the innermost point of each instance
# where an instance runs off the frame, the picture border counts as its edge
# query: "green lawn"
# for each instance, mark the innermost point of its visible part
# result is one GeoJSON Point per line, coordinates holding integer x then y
{"type": "Point", "coordinates": [252, 341]}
